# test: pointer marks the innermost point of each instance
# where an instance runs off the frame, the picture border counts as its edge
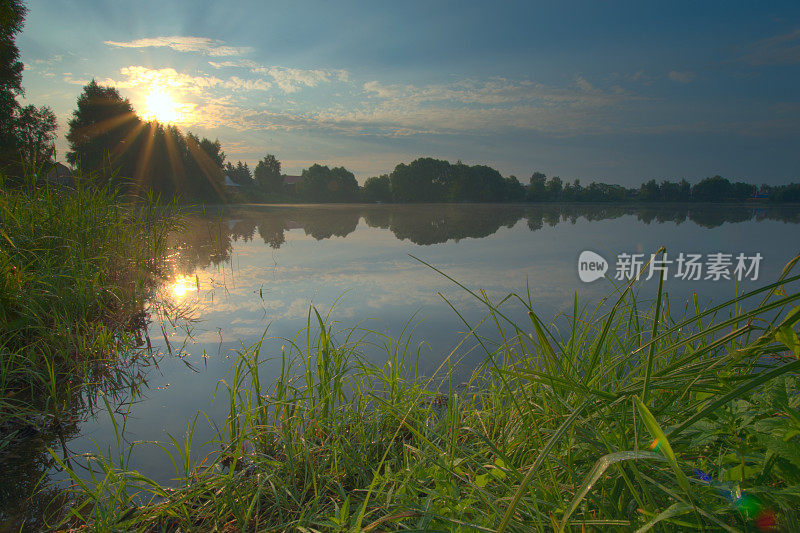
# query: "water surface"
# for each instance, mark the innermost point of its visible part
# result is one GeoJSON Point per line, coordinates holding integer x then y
{"type": "Point", "coordinates": [238, 272]}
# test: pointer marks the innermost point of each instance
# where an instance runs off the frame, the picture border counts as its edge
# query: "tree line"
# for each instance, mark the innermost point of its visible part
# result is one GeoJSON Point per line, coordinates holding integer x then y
{"type": "Point", "coordinates": [111, 144]}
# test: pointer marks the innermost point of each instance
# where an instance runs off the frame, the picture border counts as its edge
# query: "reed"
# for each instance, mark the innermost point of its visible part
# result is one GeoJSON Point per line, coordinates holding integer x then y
{"type": "Point", "coordinates": [76, 266]}
{"type": "Point", "coordinates": [618, 417]}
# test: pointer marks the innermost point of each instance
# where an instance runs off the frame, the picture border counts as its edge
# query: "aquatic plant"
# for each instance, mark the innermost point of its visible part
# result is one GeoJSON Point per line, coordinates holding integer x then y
{"type": "Point", "coordinates": [622, 416]}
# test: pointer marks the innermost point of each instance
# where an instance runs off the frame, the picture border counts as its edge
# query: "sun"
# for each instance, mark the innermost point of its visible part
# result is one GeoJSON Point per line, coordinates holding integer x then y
{"type": "Point", "coordinates": [160, 106]}
{"type": "Point", "coordinates": [182, 285]}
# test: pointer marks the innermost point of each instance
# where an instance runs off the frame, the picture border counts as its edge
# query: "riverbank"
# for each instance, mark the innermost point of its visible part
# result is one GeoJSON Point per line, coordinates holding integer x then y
{"type": "Point", "coordinates": [76, 265]}
{"type": "Point", "coordinates": [637, 418]}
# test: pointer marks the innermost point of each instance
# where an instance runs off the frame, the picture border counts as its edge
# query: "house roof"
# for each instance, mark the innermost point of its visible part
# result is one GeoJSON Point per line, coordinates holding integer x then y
{"type": "Point", "coordinates": [229, 182]}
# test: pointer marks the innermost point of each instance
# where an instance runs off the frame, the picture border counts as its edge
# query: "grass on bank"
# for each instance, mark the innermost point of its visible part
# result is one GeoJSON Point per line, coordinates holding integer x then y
{"type": "Point", "coordinates": [635, 419]}
{"type": "Point", "coordinates": [76, 263]}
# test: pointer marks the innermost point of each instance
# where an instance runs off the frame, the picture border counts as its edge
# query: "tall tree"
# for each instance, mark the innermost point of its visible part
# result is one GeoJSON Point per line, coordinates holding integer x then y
{"type": "Point", "coordinates": [36, 132]}
{"type": "Point", "coordinates": [103, 132]}
{"type": "Point", "coordinates": [12, 18]}
{"type": "Point", "coordinates": [423, 180]}
{"type": "Point", "coordinates": [537, 187]}
{"type": "Point", "coordinates": [268, 174]}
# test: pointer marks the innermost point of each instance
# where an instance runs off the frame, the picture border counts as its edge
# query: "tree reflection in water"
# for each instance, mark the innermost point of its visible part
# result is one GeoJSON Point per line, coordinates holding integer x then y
{"type": "Point", "coordinates": [208, 240]}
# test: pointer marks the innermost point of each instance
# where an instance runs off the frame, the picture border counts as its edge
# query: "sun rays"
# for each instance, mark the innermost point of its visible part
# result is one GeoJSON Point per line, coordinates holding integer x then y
{"type": "Point", "coordinates": [160, 105]}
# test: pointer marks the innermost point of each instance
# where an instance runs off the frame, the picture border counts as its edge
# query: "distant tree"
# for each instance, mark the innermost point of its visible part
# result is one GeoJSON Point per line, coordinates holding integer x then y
{"type": "Point", "coordinates": [573, 192]}
{"type": "Point", "coordinates": [268, 174]}
{"type": "Point", "coordinates": [378, 189]}
{"type": "Point", "coordinates": [537, 187]}
{"type": "Point", "coordinates": [478, 183]}
{"type": "Point", "coordinates": [743, 191]}
{"type": "Point", "coordinates": [36, 131]}
{"type": "Point", "coordinates": [239, 173]}
{"type": "Point", "coordinates": [514, 191]}
{"type": "Point", "coordinates": [554, 189]}
{"type": "Point", "coordinates": [685, 191]}
{"type": "Point", "coordinates": [12, 18]}
{"type": "Point", "coordinates": [650, 192]}
{"type": "Point", "coordinates": [670, 191]}
{"type": "Point", "coordinates": [319, 183]}
{"type": "Point", "coordinates": [785, 193]}
{"type": "Point", "coordinates": [715, 189]}
{"type": "Point", "coordinates": [204, 163]}
{"type": "Point", "coordinates": [423, 180]}
{"type": "Point", "coordinates": [103, 132]}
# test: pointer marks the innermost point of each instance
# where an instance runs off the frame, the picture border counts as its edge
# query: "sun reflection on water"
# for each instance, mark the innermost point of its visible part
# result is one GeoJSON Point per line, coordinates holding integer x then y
{"type": "Point", "coordinates": [183, 285]}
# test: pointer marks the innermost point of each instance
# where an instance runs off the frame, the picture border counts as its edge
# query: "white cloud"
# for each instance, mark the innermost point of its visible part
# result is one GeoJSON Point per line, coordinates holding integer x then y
{"type": "Point", "coordinates": [238, 83]}
{"type": "Point", "coordinates": [292, 79]}
{"type": "Point", "coordinates": [179, 43]}
{"type": "Point", "coordinates": [245, 63]}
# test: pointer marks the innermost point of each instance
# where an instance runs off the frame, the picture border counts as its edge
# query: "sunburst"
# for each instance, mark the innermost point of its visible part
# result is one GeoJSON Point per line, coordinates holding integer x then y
{"type": "Point", "coordinates": [161, 106]}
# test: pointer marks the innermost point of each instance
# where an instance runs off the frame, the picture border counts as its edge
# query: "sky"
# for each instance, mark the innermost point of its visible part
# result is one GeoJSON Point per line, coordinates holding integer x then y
{"type": "Point", "coordinates": [620, 92]}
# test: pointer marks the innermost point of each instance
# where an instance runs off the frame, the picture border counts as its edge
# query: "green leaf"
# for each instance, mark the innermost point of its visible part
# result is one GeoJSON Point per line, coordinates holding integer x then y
{"type": "Point", "coordinates": [663, 442]}
{"type": "Point", "coordinates": [482, 480]}
{"type": "Point", "coordinates": [676, 509]}
{"type": "Point", "coordinates": [599, 467]}
{"type": "Point", "coordinates": [788, 337]}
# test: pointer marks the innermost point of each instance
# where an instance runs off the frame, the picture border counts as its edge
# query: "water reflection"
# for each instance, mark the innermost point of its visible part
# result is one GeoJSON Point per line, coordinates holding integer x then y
{"type": "Point", "coordinates": [236, 270]}
{"type": "Point", "coordinates": [209, 241]}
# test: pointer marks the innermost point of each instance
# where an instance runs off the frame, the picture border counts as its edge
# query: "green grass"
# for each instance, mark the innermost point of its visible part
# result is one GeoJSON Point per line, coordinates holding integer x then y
{"type": "Point", "coordinates": [633, 419]}
{"type": "Point", "coordinates": [76, 265]}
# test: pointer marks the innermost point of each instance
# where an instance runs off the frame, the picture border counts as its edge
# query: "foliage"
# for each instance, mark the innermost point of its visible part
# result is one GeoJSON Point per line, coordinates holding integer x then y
{"type": "Point", "coordinates": [26, 133]}
{"type": "Point", "coordinates": [378, 189]}
{"type": "Point", "coordinates": [36, 133]}
{"type": "Point", "coordinates": [268, 174]}
{"type": "Point", "coordinates": [536, 191]}
{"type": "Point", "coordinates": [75, 265]}
{"type": "Point", "coordinates": [113, 145]}
{"type": "Point", "coordinates": [239, 174]}
{"type": "Point", "coordinates": [322, 184]}
{"type": "Point", "coordinates": [102, 132]}
{"type": "Point", "coordinates": [632, 419]}
{"type": "Point", "coordinates": [12, 17]}
{"type": "Point", "coordinates": [717, 188]}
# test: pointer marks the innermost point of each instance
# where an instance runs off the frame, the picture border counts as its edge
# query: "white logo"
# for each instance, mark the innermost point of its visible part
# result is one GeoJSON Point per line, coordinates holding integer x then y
{"type": "Point", "coordinates": [591, 266]}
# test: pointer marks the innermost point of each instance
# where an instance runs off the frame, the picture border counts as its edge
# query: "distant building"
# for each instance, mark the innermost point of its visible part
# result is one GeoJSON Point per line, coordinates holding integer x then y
{"type": "Point", "coordinates": [290, 182]}
{"type": "Point", "coordinates": [230, 183]}
{"type": "Point", "coordinates": [60, 174]}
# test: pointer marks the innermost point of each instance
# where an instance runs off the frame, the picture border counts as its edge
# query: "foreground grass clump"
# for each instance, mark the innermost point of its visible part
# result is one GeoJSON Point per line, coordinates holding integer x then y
{"type": "Point", "coordinates": [75, 263]}
{"type": "Point", "coordinates": [633, 420]}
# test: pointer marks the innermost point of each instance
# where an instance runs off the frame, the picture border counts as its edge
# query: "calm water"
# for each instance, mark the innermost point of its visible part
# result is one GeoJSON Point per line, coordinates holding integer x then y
{"type": "Point", "coordinates": [237, 271]}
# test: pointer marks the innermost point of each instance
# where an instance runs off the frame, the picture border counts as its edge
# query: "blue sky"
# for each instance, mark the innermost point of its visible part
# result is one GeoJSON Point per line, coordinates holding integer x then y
{"type": "Point", "coordinates": [614, 91]}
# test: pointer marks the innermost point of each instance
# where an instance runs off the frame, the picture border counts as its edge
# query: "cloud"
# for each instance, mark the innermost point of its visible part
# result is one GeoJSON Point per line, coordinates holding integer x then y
{"type": "Point", "coordinates": [179, 43]}
{"type": "Point", "coordinates": [680, 77]}
{"type": "Point", "coordinates": [140, 76]}
{"type": "Point", "coordinates": [478, 107]}
{"type": "Point", "coordinates": [292, 79]}
{"type": "Point", "coordinates": [238, 83]}
{"type": "Point", "coordinates": [777, 50]}
{"type": "Point", "coordinates": [245, 63]}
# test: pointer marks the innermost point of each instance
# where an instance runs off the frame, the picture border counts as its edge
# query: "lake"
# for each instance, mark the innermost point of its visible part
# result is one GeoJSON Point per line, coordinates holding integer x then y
{"type": "Point", "coordinates": [236, 273]}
